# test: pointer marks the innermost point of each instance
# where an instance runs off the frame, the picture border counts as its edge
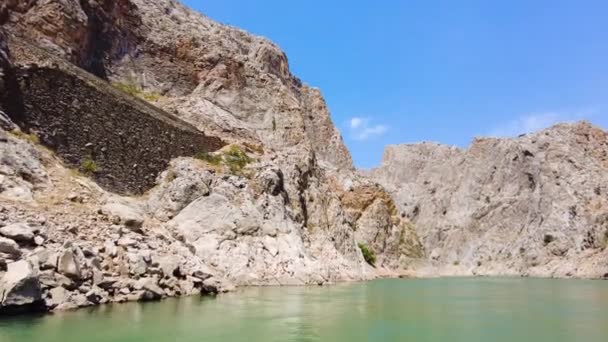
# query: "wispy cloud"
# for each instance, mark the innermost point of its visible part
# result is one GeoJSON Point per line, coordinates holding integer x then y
{"type": "Point", "coordinates": [363, 128]}
{"type": "Point", "coordinates": [535, 122]}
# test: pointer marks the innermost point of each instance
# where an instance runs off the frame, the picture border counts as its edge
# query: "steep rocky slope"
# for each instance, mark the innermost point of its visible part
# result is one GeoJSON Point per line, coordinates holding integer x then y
{"type": "Point", "coordinates": [278, 204]}
{"type": "Point", "coordinates": [535, 205]}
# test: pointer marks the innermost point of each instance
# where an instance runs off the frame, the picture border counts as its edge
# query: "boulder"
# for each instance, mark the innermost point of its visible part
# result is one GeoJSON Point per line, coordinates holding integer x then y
{"type": "Point", "coordinates": [170, 265]}
{"type": "Point", "coordinates": [137, 264]}
{"type": "Point", "coordinates": [9, 247]}
{"type": "Point", "coordinates": [68, 266]}
{"type": "Point", "coordinates": [57, 296]}
{"type": "Point", "coordinates": [128, 213]}
{"type": "Point", "coordinates": [151, 288]}
{"type": "Point", "coordinates": [183, 183]}
{"type": "Point", "coordinates": [20, 287]}
{"type": "Point", "coordinates": [96, 295]}
{"type": "Point", "coordinates": [215, 285]}
{"type": "Point", "coordinates": [20, 232]}
{"type": "Point", "coordinates": [110, 248]}
{"type": "Point", "coordinates": [202, 275]}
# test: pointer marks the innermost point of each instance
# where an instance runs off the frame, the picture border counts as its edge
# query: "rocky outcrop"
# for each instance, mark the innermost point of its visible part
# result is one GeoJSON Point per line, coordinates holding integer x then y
{"type": "Point", "coordinates": [221, 79]}
{"type": "Point", "coordinates": [535, 205]}
{"type": "Point", "coordinates": [279, 204]}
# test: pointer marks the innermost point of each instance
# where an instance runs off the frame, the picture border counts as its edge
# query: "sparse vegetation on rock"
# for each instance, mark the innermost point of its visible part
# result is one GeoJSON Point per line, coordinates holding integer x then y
{"type": "Point", "coordinates": [368, 254]}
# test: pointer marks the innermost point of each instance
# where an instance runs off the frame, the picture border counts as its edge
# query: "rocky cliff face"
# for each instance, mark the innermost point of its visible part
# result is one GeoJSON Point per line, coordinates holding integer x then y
{"type": "Point", "coordinates": [536, 205]}
{"type": "Point", "coordinates": [279, 204]}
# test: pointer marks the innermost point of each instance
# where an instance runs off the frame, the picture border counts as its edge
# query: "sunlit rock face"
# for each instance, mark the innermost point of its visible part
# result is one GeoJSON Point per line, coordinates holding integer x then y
{"type": "Point", "coordinates": [263, 192]}
{"type": "Point", "coordinates": [532, 205]}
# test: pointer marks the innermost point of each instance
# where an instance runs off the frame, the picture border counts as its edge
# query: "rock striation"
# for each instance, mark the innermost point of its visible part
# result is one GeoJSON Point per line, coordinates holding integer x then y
{"type": "Point", "coordinates": [536, 205]}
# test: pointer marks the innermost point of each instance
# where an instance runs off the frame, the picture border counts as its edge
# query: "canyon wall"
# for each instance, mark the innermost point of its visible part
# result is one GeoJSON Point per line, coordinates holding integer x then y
{"type": "Point", "coordinates": [534, 205]}
{"type": "Point", "coordinates": [240, 175]}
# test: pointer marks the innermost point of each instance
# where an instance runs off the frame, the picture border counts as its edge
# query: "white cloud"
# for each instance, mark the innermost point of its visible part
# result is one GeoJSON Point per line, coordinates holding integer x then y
{"type": "Point", "coordinates": [534, 122]}
{"type": "Point", "coordinates": [363, 128]}
{"type": "Point", "coordinates": [355, 123]}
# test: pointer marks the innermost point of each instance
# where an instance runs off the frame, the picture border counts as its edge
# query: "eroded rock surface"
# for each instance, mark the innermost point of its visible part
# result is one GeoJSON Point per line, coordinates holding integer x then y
{"type": "Point", "coordinates": [280, 204]}
{"type": "Point", "coordinates": [535, 205]}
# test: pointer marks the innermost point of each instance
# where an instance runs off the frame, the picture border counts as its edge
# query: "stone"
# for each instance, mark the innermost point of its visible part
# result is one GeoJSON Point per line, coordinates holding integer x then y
{"type": "Point", "coordinates": [38, 240]}
{"type": "Point", "coordinates": [58, 296]}
{"type": "Point", "coordinates": [151, 288]}
{"type": "Point", "coordinates": [187, 287]}
{"type": "Point", "coordinates": [170, 265]}
{"type": "Point", "coordinates": [9, 247]}
{"type": "Point", "coordinates": [110, 248]}
{"type": "Point", "coordinates": [47, 259]}
{"type": "Point", "coordinates": [95, 295]}
{"type": "Point", "coordinates": [215, 285]}
{"type": "Point", "coordinates": [19, 232]}
{"type": "Point", "coordinates": [137, 264]}
{"type": "Point", "coordinates": [202, 275]}
{"type": "Point", "coordinates": [68, 265]}
{"type": "Point", "coordinates": [20, 286]}
{"type": "Point", "coordinates": [127, 242]}
{"type": "Point", "coordinates": [108, 282]}
{"type": "Point", "coordinates": [129, 214]}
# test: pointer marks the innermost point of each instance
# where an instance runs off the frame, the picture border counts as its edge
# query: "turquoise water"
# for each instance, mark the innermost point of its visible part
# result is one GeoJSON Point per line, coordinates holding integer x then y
{"type": "Point", "coordinates": [451, 309]}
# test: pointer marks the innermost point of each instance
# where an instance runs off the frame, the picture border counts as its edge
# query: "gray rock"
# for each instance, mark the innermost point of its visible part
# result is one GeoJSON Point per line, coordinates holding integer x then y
{"type": "Point", "coordinates": [178, 187]}
{"type": "Point", "coordinates": [10, 247]}
{"type": "Point", "coordinates": [20, 286]}
{"type": "Point", "coordinates": [507, 206]}
{"type": "Point", "coordinates": [150, 286]}
{"type": "Point", "coordinates": [58, 296]}
{"type": "Point", "coordinates": [110, 248]}
{"type": "Point", "coordinates": [38, 240]}
{"type": "Point", "coordinates": [128, 212]}
{"type": "Point", "coordinates": [170, 265]}
{"type": "Point", "coordinates": [68, 265]}
{"type": "Point", "coordinates": [137, 264]}
{"type": "Point", "coordinates": [215, 285]}
{"type": "Point", "coordinates": [20, 232]}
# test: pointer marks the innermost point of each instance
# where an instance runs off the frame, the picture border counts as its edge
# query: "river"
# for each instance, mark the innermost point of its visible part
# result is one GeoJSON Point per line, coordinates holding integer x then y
{"type": "Point", "coordinates": [443, 309]}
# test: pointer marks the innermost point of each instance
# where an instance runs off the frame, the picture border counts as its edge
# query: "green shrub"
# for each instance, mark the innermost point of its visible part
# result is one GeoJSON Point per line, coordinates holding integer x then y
{"type": "Point", "coordinates": [133, 90]}
{"type": "Point", "coordinates": [127, 88]}
{"type": "Point", "coordinates": [88, 166]}
{"type": "Point", "coordinates": [236, 159]}
{"type": "Point", "coordinates": [368, 254]}
{"type": "Point", "coordinates": [31, 137]}
{"type": "Point", "coordinates": [209, 158]}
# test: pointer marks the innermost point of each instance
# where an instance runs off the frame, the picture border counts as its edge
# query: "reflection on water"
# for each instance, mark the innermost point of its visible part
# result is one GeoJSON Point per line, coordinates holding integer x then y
{"type": "Point", "coordinates": [457, 309]}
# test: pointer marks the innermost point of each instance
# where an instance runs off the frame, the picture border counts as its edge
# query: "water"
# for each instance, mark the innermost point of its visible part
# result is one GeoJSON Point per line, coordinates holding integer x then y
{"type": "Point", "coordinates": [457, 309]}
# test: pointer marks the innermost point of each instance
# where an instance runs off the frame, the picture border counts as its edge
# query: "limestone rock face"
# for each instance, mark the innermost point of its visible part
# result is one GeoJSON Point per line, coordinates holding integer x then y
{"type": "Point", "coordinates": [275, 202]}
{"type": "Point", "coordinates": [533, 205]}
{"type": "Point", "coordinates": [222, 79]}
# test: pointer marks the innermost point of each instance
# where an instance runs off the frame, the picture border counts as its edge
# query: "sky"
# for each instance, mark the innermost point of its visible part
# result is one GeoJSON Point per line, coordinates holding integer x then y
{"type": "Point", "coordinates": [446, 71]}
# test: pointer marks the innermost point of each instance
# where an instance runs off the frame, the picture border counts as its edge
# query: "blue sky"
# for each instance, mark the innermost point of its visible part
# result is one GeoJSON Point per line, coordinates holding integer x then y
{"type": "Point", "coordinates": [446, 71]}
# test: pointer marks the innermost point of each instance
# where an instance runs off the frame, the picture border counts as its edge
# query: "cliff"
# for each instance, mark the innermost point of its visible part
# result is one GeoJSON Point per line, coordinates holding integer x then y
{"type": "Point", "coordinates": [237, 174]}
{"type": "Point", "coordinates": [536, 205]}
